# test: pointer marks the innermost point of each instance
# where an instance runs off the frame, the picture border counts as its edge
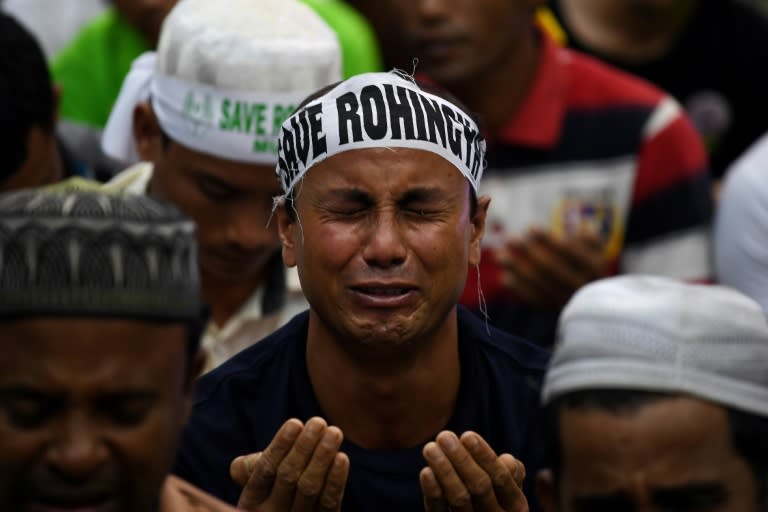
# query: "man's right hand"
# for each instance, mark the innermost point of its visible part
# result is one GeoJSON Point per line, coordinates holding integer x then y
{"type": "Point", "coordinates": [301, 470]}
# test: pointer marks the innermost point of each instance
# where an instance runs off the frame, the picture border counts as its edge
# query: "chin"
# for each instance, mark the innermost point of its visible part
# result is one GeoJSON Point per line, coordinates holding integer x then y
{"type": "Point", "coordinates": [386, 333]}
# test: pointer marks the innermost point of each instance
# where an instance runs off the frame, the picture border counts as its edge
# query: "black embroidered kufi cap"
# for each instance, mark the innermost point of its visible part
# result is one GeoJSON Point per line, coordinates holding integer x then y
{"type": "Point", "coordinates": [87, 253]}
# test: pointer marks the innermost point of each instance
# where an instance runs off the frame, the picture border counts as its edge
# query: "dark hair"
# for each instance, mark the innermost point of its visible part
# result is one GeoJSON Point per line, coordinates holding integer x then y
{"type": "Point", "coordinates": [427, 87]}
{"type": "Point", "coordinates": [749, 432]}
{"type": "Point", "coordinates": [26, 93]}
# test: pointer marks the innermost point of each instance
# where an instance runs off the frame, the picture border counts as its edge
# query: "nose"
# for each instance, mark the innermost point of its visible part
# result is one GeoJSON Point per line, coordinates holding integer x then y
{"type": "Point", "coordinates": [385, 246]}
{"type": "Point", "coordinates": [431, 9]}
{"type": "Point", "coordinates": [77, 450]}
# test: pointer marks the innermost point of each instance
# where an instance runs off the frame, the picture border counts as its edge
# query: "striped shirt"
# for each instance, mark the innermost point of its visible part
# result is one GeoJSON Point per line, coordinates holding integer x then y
{"type": "Point", "coordinates": [594, 146]}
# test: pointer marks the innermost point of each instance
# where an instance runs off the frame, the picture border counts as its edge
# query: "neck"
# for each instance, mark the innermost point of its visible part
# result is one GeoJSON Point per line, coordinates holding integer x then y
{"type": "Point", "coordinates": [497, 94]}
{"type": "Point", "coordinates": [225, 298]}
{"type": "Point", "coordinates": [407, 398]}
{"type": "Point", "coordinates": [625, 31]}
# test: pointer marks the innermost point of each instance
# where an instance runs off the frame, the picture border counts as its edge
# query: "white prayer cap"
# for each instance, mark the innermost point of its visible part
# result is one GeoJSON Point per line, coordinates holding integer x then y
{"type": "Point", "coordinates": [264, 46]}
{"type": "Point", "coordinates": [226, 74]}
{"type": "Point", "coordinates": [657, 334]}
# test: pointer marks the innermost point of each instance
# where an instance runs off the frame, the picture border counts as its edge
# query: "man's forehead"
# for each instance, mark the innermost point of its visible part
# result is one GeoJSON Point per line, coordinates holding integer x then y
{"type": "Point", "coordinates": [386, 167]}
{"type": "Point", "coordinates": [675, 425]}
{"type": "Point", "coordinates": [88, 337]}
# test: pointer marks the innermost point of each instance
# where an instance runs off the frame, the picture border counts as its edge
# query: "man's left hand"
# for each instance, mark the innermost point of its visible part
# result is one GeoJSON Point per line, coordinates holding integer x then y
{"type": "Point", "coordinates": [466, 475]}
{"type": "Point", "coordinates": [545, 270]}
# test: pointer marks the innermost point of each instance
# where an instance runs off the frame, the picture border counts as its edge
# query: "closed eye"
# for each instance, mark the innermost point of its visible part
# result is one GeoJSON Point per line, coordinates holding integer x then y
{"type": "Point", "coordinates": [345, 203]}
{"type": "Point", "coordinates": [27, 409]}
{"type": "Point", "coordinates": [125, 409]}
{"type": "Point", "coordinates": [214, 188]}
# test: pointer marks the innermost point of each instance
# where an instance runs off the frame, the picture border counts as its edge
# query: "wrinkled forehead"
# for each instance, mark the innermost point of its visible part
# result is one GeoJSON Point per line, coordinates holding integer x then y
{"type": "Point", "coordinates": [95, 349]}
{"type": "Point", "coordinates": [384, 172]}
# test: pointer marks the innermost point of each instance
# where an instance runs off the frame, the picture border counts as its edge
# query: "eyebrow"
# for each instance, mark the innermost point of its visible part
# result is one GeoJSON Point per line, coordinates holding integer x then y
{"type": "Point", "coordinates": [410, 195]}
{"type": "Point", "coordinates": [703, 493]}
{"type": "Point", "coordinates": [615, 502]}
{"type": "Point", "coordinates": [423, 194]}
{"type": "Point", "coordinates": [346, 194]}
{"type": "Point", "coordinates": [698, 494]}
{"type": "Point", "coordinates": [27, 393]}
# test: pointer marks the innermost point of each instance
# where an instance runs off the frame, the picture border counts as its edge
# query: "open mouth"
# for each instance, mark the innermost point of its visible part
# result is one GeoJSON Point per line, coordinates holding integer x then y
{"type": "Point", "coordinates": [382, 292]}
{"type": "Point", "coordinates": [390, 296]}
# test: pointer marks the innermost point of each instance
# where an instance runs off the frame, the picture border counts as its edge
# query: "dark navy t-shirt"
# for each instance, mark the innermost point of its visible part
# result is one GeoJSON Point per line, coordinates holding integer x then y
{"type": "Point", "coordinates": [240, 406]}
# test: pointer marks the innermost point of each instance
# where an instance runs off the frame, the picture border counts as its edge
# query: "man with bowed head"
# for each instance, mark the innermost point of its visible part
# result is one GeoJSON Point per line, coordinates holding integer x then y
{"type": "Point", "coordinates": [385, 395]}
{"type": "Point", "coordinates": [657, 400]}
{"type": "Point", "coordinates": [203, 113]}
{"type": "Point", "coordinates": [100, 321]}
{"type": "Point", "coordinates": [592, 172]}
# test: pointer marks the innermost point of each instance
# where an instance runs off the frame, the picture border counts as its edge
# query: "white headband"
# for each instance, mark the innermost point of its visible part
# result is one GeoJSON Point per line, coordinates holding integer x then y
{"type": "Point", "coordinates": [242, 126]}
{"type": "Point", "coordinates": [374, 110]}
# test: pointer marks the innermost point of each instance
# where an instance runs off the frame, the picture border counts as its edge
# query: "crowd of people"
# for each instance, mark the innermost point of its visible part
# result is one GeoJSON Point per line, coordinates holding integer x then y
{"type": "Point", "coordinates": [357, 255]}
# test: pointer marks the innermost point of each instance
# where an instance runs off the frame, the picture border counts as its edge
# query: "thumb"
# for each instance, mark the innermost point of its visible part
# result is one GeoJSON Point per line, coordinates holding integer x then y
{"type": "Point", "coordinates": [241, 468]}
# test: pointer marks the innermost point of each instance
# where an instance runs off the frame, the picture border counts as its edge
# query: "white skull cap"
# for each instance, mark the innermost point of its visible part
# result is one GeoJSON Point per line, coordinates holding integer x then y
{"type": "Point", "coordinates": [657, 334]}
{"type": "Point", "coordinates": [271, 46]}
{"type": "Point", "coordinates": [226, 74]}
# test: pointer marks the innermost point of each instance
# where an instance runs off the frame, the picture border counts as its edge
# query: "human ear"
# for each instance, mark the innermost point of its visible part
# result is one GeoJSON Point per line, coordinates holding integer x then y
{"type": "Point", "coordinates": [286, 226]}
{"type": "Point", "coordinates": [478, 229]}
{"type": "Point", "coordinates": [545, 491]}
{"type": "Point", "coordinates": [147, 134]}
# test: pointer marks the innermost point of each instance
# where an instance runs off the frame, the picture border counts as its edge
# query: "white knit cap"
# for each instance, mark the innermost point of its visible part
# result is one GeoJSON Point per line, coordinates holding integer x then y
{"type": "Point", "coordinates": [227, 73]}
{"type": "Point", "coordinates": [657, 334]}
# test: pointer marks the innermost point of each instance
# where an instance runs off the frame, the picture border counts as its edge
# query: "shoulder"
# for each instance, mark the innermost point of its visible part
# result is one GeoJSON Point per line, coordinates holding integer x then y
{"type": "Point", "coordinates": [133, 180]}
{"type": "Point", "coordinates": [735, 23]}
{"type": "Point", "coordinates": [502, 348]}
{"type": "Point", "coordinates": [356, 36]}
{"type": "Point", "coordinates": [593, 83]}
{"type": "Point", "coordinates": [97, 29]}
{"type": "Point", "coordinates": [341, 17]}
{"type": "Point", "coordinates": [93, 38]}
{"type": "Point", "coordinates": [272, 355]}
{"type": "Point", "coordinates": [741, 225]}
{"type": "Point", "coordinates": [746, 187]}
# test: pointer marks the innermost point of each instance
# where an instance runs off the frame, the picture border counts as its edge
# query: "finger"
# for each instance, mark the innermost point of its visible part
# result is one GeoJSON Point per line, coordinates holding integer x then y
{"type": "Point", "coordinates": [515, 466]}
{"type": "Point", "coordinates": [295, 462]}
{"type": "Point", "coordinates": [333, 492]}
{"type": "Point", "coordinates": [504, 255]}
{"type": "Point", "coordinates": [455, 493]}
{"type": "Point", "coordinates": [312, 479]}
{"type": "Point", "coordinates": [511, 497]}
{"type": "Point", "coordinates": [506, 472]}
{"type": "Point", "coordinates": [433, 494]}
{"type": "Point", "coordinates": [585, 253]}
{"type": "Point", "coordinates": [241, 467]}
{"type": "Point", "coordinates": [261, 469]}
{"type": "Point", "coordinates": [476, 480]}
{"type": "Point", "coordinates": [589, 255]}
{"type": "Point", "coordinates": [551, 263]}
{"type": "Point", "coordinates": [530, 286]}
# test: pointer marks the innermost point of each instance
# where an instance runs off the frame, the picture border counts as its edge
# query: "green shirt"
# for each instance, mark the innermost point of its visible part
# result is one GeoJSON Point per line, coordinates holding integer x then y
{"type": "Point", "coordinates": [91, 69]}
{"type": "Point", "coordinates": [359, 48]}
